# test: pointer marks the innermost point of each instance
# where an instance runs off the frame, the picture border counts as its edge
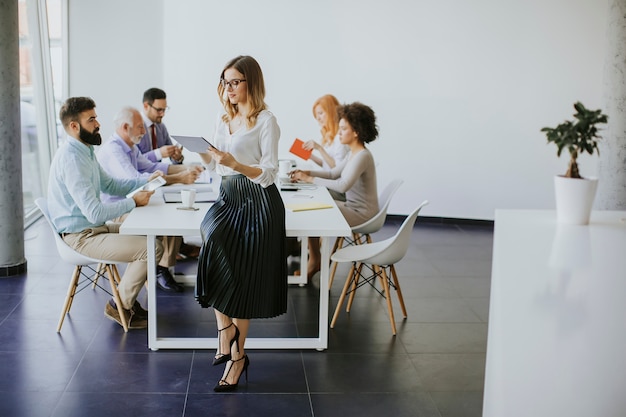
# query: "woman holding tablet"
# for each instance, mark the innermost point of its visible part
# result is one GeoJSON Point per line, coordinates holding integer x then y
{"type": "Point", "coordinates": [242, 269]}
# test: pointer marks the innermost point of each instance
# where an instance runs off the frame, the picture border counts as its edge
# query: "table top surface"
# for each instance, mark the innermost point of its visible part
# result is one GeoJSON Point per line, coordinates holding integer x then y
{"type": "Point", "coordinates": [557, 328]}
{"type": "Point", "coordinates": [167, 219]}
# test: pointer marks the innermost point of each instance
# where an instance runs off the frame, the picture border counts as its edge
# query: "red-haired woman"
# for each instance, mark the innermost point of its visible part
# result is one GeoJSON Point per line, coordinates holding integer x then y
{"type": "Point", "coordinates": [330, 149]}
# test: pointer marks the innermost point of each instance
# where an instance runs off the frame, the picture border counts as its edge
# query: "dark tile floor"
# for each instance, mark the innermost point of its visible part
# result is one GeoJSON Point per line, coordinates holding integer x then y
{"type": "Point", "coordinates": [433, 367]}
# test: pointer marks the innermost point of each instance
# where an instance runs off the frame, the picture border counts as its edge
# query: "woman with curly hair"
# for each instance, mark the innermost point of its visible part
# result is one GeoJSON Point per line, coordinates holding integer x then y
{"type": "Point", "coordinates": [355, 176]}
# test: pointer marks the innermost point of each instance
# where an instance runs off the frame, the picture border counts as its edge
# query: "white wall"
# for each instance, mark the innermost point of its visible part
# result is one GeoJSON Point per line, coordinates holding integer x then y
{"type": "Point", "coordinates": [115, 53]}
{"type": "Point", "coordinates": [461, 87]}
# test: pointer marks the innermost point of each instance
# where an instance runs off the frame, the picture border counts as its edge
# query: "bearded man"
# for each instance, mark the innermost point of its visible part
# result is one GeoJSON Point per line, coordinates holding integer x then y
{"type": "Point", "coordinates": [75, 184]}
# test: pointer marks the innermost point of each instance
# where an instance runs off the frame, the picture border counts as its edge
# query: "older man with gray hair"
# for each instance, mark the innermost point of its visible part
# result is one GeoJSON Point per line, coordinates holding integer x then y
{"type": "Point", "coordinates": [121, 158]}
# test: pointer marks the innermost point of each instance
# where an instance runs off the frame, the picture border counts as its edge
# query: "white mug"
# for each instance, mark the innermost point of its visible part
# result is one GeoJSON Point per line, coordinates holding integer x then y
{"type": "Point", "coordinates": [284, 167]}
{"type": "Point", "coordinates": [188, 197]}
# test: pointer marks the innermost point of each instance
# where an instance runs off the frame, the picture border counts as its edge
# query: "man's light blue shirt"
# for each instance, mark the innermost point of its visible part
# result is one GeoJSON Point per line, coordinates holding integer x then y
{"type": "Point", "coordinates": [74, 186]}
{"type": "Point", "coordinates": [121, 161]}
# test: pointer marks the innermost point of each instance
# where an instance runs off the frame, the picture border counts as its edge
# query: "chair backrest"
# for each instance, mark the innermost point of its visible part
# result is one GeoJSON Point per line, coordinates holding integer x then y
{"type": "Point", "coordinates": [374, 224]}
{"type": "Point", "coordinates": [396, 246]}
{"type": "Point", "coordinates": [68, 254]}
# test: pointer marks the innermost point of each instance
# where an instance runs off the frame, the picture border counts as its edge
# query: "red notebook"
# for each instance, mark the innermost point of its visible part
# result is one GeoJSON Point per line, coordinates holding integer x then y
{"type": "Point", "coordinates": [298, 150]}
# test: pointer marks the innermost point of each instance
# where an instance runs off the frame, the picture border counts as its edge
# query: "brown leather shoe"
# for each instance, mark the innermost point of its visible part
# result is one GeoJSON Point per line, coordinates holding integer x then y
{"type": "Point", "coordinates": [133, 322]}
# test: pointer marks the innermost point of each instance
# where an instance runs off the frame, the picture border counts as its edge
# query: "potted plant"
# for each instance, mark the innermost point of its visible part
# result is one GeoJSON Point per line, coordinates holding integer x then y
{"type": "Point", "coordinates": [575, 194]}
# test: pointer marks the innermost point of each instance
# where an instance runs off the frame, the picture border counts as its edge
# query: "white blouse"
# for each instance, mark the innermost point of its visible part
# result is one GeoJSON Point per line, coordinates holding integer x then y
{"type": "Point", "coordinates": [256, 147]}
{"type": "Point", "coordinates": [337, 150]}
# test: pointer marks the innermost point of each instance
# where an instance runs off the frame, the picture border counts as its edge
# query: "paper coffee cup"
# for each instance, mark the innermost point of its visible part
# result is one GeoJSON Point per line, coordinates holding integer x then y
{"type": "Point", "coordinates": [284, 167]}
{"type": "Point", "coordinates": [188, 197]}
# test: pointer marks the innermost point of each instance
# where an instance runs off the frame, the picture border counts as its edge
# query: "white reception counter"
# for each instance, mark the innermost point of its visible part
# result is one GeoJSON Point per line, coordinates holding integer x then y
{"type": "Point", "coordinates": [557, 321]}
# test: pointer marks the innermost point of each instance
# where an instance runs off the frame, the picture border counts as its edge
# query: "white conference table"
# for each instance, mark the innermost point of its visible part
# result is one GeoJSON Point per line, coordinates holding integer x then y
{"type": "Point", "coordinates": [165, 219]}
{"type": "Point", "coordinates": [557, 328]}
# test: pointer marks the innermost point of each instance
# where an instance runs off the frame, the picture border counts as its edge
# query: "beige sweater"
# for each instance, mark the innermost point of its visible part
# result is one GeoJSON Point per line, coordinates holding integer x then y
{"type": "Point", "coordinates": [355, 176]}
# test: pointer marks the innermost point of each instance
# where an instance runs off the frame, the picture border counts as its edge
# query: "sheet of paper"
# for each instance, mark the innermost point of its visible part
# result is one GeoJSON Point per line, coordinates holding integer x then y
{"type": "Point", "coordinates": [150, 186]}
{"type": "Point", "coordinates": [310, 205]}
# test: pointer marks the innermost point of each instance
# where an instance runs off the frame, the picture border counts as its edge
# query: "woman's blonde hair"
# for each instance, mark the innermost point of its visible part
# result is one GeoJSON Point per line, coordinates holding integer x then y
{"type": "Point", "coordinates": [329, 104]}
{"type": "Point", "coordinates": [254, 85]}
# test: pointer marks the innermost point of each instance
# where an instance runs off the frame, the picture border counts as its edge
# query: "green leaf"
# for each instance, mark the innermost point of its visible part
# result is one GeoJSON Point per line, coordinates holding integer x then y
{"type": "Point", "coordinates": [578, 135]}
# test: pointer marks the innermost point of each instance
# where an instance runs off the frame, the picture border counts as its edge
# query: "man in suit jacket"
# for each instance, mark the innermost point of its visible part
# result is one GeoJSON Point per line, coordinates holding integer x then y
{"type": "Point", "coordinates": [156, 143]}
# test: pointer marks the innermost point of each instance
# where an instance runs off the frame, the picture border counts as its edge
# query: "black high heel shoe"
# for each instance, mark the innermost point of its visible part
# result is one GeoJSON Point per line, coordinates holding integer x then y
{"type": "Point", "coordinates": [224, 357]}
{"type": "Point", "coordinates": [223, 385]}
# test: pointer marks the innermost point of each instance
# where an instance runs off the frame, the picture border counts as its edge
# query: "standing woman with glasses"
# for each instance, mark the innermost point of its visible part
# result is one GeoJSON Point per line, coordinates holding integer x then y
{"type": "Point", "coordinates": [242, 269]}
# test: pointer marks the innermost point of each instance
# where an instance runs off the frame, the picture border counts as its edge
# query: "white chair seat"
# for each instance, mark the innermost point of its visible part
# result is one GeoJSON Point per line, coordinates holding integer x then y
{"type": "Point", "coordinates": [79, 261]}
{"type": "Point", "coordinates": [368, 252]}
{"type": "Point", "coordinates": [378, 258]}
{"type": "Point", "coordinates": [362, 233]}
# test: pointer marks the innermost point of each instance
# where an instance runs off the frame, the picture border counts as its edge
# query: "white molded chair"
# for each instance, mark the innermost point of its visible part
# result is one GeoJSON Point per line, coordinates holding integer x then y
{"type": "Point", "coordinates": [81, 261]}
{"type": "Point", "coordinates": [361, 233]}
{"type": "Point", "coordinates": [377, 258]}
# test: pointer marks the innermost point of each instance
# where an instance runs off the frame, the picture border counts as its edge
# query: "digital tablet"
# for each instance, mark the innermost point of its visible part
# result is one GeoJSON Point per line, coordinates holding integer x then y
{"type": "Point", "coordinates": [150, 186]}
{"type": "Point", "coordinates": [194, 143]}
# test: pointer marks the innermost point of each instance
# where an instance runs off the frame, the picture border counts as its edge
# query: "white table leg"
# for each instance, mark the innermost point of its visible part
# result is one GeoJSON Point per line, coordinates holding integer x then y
{"type": "Point", "coordinates": [152, 289]}
{"type": "Point", "coordinates": [319, 343]}
{"type": "Point", "coordinates": [325, 249]}
{"type": "Point", "coordinates": [301, 279]}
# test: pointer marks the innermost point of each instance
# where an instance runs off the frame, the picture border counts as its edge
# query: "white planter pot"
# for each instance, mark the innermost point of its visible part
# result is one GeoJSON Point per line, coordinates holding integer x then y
{"type": "Point", "coordinates": [574, 199]}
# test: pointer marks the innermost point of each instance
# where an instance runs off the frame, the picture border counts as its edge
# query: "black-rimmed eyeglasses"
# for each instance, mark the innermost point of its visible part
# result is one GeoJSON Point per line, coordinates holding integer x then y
{"type": "Point", "coordinates": [231, 84]}
{"type": "Point", "coordinates": [160, 109]}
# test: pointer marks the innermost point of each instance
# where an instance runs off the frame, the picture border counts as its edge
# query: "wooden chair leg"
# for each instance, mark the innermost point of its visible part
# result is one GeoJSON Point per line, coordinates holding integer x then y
{"type": "Point", "coordinates": [71, 291]}
{"type": "Point", "coordinates": [114, 277]}
{"type": "Point", "coordinates": [333, 265]}
{"type": "Point", "coordinates": [76, 281]}
{"type": "Point", "coordinates": [382, 284]}
{"type": "Point", "coordinates": [116, 274]}
{"type": "Point", "coordinates": [392, 319]}
{"type": "Point", "coordinates": [342, 297]}
{"type": "Point", "coordinates": [337, 245]}
{"type": "Point", "coordinates": [333, 269]}
{"type": "Point", "coordinates": [392, 268]}
{"type": "Point", "coordinates": [355, 284]}
{"type": "Point", "coordinates": [100, 270]}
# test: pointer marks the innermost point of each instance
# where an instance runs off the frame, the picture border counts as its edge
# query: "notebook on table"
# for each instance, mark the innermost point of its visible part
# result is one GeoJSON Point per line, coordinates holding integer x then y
{"type": "Point", "coordinates": [298, 150]}
{"type": "Point", "coordinates": [310, 205]}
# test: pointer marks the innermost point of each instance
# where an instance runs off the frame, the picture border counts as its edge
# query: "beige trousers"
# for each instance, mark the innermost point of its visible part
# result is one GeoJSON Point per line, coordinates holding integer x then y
{"type": "Point", "coordinates": [105, 242]}
{"type": "Point", "coordinates": [171, 245]}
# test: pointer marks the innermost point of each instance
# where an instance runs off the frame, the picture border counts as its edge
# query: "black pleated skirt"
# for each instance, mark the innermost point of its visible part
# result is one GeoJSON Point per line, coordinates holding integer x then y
{"type": "Point", "coordinates": [242, 268]}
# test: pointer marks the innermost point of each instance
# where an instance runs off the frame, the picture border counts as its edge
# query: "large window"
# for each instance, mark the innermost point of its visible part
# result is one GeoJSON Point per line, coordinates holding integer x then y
{"type": "Point", "coordinates": [41, 89]}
